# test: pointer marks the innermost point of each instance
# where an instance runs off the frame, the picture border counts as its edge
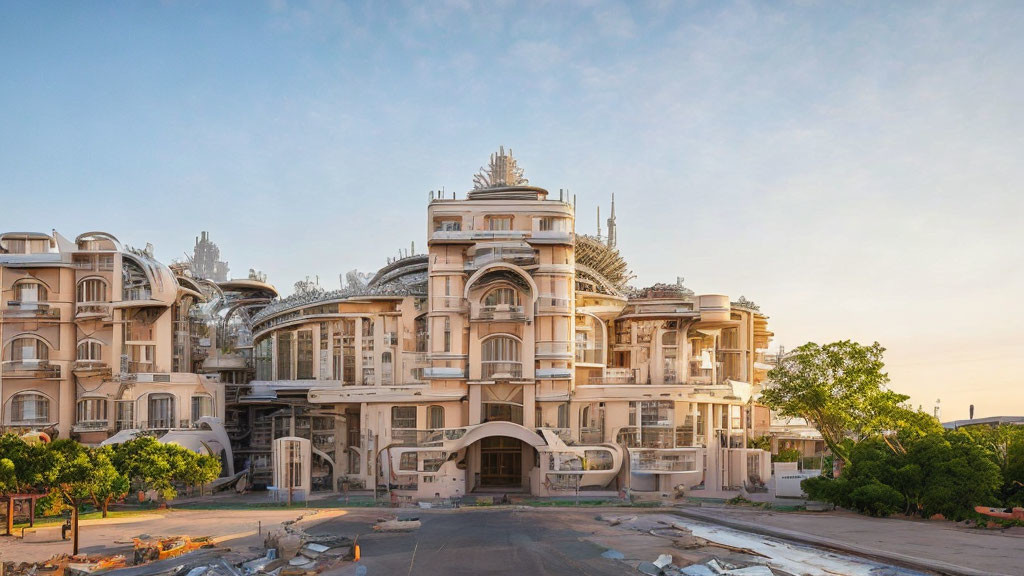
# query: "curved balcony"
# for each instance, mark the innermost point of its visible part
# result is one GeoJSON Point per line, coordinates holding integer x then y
{"type": "Point", "coordinates": [668, 461]}
{"type": "Point", "coordinates": [553, 305]}
{"type": "Point", "coordinates": [84, 310]}
{"type": "Point", "coordinates": [560, 349]}
{"type": "Point", "coordinates": [41, 369]}
{"type": "Point", "coordinates": [31, 311]}
{"type": "Point", "coordinates": [491, 370]}
{"type": "Point", "coordinates": [500, 313]}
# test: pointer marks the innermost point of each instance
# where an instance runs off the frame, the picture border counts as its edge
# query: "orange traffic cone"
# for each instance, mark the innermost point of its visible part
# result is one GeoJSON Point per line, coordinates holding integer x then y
{"type": "Point", "coordinates": [357, 553]}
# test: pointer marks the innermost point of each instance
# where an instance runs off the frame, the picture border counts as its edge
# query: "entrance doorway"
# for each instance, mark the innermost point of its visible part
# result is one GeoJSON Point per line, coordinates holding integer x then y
{"type": "Point", "coordinates": [501, 462]}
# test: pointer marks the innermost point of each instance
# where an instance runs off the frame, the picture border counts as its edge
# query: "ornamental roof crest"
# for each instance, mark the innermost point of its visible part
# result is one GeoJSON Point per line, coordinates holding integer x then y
{"type": "Point", "coordinates": [503, 170]}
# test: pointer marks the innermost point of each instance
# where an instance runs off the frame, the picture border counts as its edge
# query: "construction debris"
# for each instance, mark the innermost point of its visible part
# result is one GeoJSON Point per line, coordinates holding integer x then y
{"type": "Point", "coordinates": [396, 524]}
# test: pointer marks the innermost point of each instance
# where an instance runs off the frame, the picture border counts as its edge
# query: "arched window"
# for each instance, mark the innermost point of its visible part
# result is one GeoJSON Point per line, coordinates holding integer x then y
{"type": "Point", "coordinates": [500, 357]}
{"type": "Point", "coordinates": [92, 290]}
{"type": "Point", "coordinates": [27, 291]}
{"type": "Point", "coordinates": [503, 296]}
{"type": "Point", "coordinates": [29, 349]}
{"type": "Point", "coordinates": [202, 406]}
{"type": "Point", "coordinates": [435, 417]}
{"type": "Point", "coordinates": [161, 411]}
{"type": "Point", "coordinates": [30, 408]}
{"type": "Point", "coordinates": [92, 410]}
{"type": "Point", "coordinates": [90, 351]}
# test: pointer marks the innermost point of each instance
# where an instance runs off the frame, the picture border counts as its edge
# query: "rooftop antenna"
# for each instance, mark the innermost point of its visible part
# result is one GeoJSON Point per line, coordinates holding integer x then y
{"type": "Point", "coordinates": [598, 222]}
{"type": "Point", "coordinates": [971, 417]}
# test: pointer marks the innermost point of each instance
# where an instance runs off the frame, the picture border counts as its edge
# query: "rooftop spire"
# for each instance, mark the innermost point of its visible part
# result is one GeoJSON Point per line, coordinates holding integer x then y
{"type": "Point", "coordinates": [611, 226]}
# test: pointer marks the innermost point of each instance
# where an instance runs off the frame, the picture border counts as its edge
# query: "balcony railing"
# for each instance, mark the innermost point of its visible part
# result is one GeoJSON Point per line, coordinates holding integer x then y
{"type": "Point", "coordinates": [30, 369]}
{"type": "Point", "coordinates": [82, 365]}
{"type": "Point", "coordinates": [84, 309]}
{"type": "Point", "coordinates": [490, 370]}
{"type": "Point", "coordinates": [425, 438]}
{"type": "Point", "coordinates": [33, 310]}
{"type": "Point", "coordinates": [592, 435]}
{"type": "Point", "coordinates": [517, 255]}
{"type": "Point", "coordinates": [663, 460]}
{"type": "Point", "coordinates": [603, 380]}
{"type": "Point", "coordinates": [138, 294]}
{"type": "Point", "coordinates": [449, 304]}
{"type": "Point", "coordinates": [590, 355]}
{"type": "Point", "coordinates": [443, 372]}
{"type": "Point", "coordinates": [552, 304]}
{"type": "Point", "coordinates": [91, 426]}
{"type": "Point", "coordinates": [659, 437]}
{"type": "Point", "coordinates": [500, 312]}
{"type": "Point", "coordinates": [554, 348]}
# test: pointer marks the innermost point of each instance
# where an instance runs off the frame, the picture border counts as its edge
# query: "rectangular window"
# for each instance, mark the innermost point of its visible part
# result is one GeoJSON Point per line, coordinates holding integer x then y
{"type": "Point", "coordinates": [284, 356]}
{"type": "Point", "coordinates": [499, 223]}
{"type": "Point", "coordinates": [403, 417]}
{"type": "Point", "coordinates": [407, 463]}
{"type": "Point", "coordinates": [304, 364]}
{"type": "Point", "coordinates": [447, 225]}
{"type": "Point", "coordinates": [92, 410]}
{"type": "Point", "coordinates": [447, 335]}
{"type": "Point", "coordinates": [124, 415]}
{"type": "Point", "coordinates": [264, 359]}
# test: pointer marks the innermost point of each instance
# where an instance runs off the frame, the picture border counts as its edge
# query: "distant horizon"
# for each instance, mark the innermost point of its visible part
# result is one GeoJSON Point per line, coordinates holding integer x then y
{"type": "Point", "coordinates": [853, 169]}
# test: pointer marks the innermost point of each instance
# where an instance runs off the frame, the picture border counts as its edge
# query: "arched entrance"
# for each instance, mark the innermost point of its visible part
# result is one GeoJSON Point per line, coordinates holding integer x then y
{"type": "Point", "coordinates": [500, 457]}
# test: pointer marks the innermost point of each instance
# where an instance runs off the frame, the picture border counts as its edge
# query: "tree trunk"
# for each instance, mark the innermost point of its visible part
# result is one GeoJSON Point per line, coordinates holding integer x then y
{"type": "Point", "coordinates": [106, 504]}
{"type": "Point", "coordinates": [74, 529]}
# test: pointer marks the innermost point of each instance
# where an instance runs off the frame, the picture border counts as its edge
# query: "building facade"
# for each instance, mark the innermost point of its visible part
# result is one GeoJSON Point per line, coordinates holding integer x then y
{"type": "Point", "coordinates": [100, 343]}
{"type": "Point", "coordinates": [512, 356]}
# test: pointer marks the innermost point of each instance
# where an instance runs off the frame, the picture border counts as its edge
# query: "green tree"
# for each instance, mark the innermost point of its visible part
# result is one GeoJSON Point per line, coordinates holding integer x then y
{"type": "Point", "coordinates": [108, 484]}
{"type": "Point", "coordinates": [191, 469]}
{"type": "Point", "coordinates": [69, 474]}
{"type": "Point", "coordinates": [144, 461]}
{"type": "Point", "coordinates": [839, 388]}
{"type": "Point", "coordinates": [21, 464]}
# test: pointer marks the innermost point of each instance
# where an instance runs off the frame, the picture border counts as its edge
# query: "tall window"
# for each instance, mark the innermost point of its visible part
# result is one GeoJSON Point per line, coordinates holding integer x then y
{"type": "Point", "coordinates": [90, 351]}
{"type": "Point", "coordinates": [202, 406]}
{"type": "Point", "coordinates": [668, 350]}
{"type": "Point", "coordinates": [403, 417]}
{"type": "Point", "coordinates": [387, 368]}
{"type": "Point", "coordinates": [502, 296]}
{"type": "Point", "coordinates": [124, 415]}
{"type": "Point", "coordinates": [27, 291]}
{"type": "Point", "coordinates": [92, 290]}
{"type": "Point", "coordinates": [284, 356]}
{"type": "Point", "coordinates": [447, 334]}
{"type": "Point", "coordinates": [264, 355]}
{"type": "Point", "coordinates": [563, 415]}
{"type": "Point", "coordinates": [92, 410]}
{"type": "Point", "coordinates": [29, 350]}
{"type": "Point", "coordinates": [304, 364]}
{"type": "Point", "coordinates": [435, 417]}
{"type": "Point", "coordinates": [161, 411]}
{"type": "Point", "coordinates": [30, 408]}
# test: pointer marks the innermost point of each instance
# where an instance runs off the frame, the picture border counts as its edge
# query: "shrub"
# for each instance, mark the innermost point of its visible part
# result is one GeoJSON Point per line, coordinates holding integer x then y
{"type": "Point", "coordinates": [877, 499]}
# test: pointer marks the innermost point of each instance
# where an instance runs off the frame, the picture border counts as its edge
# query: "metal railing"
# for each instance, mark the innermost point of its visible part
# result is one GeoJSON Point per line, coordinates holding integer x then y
{"type": "Point", "coordinates": [491, 369]}
{"type": "Point", "coordinates": [502, 312]}
{"type": "Point", "coordinates": [425, 438]}
{"type": "Point", "coordinates": [553, 347]}
{"type": "Point", "coordinates": [630, 379]}
{"type": "Point", "coordinates": [137, 294]}
{"type": "Point", "coordinates": [30, 369]}
{"type": "Point", "coordinates": [552, 304]}
{"type": "Point", "coordinates": [37, 310]}
{"type": "Point", "coordinates": [663, 460]}
{"type": "Point", "coordinates": [590, 355]}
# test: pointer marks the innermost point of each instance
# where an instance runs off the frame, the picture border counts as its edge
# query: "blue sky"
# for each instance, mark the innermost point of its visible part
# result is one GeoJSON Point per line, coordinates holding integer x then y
{"type": "Point", "coordinates": [852, 167]}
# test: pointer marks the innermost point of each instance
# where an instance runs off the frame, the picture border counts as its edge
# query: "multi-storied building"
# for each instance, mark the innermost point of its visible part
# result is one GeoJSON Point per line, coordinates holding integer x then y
{"type": "Point", "coordinates": [100, 342]}
{"type": "Point", "coordinates": [511, 356]}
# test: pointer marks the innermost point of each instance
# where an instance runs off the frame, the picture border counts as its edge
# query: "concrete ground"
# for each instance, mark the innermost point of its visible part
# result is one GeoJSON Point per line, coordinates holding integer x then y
{"type": "Point", "coordinates": [236, 529]}
{"type": "Point", "coordinates": [945, 547]}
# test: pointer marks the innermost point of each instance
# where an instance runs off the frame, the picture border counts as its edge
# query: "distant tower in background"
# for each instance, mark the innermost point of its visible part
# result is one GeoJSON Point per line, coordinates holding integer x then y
{"type": "Point", "coordinates": [206, 262]}
{"type": "Point", "coordinates": [938, 409]}
{"type": "Point", "coordinates": [611, 226]}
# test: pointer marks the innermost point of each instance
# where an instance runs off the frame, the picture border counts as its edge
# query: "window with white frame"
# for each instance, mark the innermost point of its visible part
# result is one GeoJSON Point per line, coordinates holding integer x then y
{"type": "Point", "coordinates": [29, 291]}
{"type": "Point", "coordinates": [30, 408]}
{"type": "Point", "coordinates": [28, 349]}
{"type": "Point", "coordinates": [90, 351]}
{"type": "Point", "coordinates": [435, 417]}
{"type": "Point", "coordinates": [92, 410]}
{"type": "Point", "coordinates": [92, 290]}
{"type": "Point", "coordinates": [161, 411]}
